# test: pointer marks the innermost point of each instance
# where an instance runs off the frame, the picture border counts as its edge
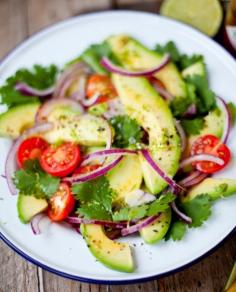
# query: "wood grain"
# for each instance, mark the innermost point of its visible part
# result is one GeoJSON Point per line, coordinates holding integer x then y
{"type": "Point", "coordinates": [18, 19]}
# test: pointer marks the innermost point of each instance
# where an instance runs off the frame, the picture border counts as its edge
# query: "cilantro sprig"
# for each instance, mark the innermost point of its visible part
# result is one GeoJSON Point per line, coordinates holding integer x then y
{"type": "Point", "coordinates": [127, 131]}
{"type": "Point", "coordinates": [33, 181]}
{"type": "Point", "coordinates": [159, 205]}
{"type": "Point", "coordinates": [95, 198]}
{"type": "Point", "coordinates": [194, 126]}
{"type": "Point", "coordinates": [38, 77]}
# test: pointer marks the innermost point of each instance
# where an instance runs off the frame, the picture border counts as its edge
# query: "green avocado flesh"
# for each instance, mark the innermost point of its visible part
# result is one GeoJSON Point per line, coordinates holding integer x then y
{"type": "Point", "coordinates": [134, 56]}
{"type": "Point", "coordinates": [112, 254]}
{"type": "Point", "coordinates": [216, 188]}
{"type": "Point", "coordinates": [157, 230]}
{"type": "Point", "coordinates": [29, 206]}
{"type": "Point", "coordinates": [125, 177]}
{"type": "Point", "coordinates": [143, 104]}
{"type": "Point", "coordinates": [17, 119]}
{"type": "Point", "coordinates": [86, 130]}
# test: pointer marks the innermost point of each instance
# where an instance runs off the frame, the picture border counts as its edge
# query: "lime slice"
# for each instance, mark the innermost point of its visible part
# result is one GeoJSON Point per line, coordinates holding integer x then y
{"type": "Point", "coordinates": [205, 15]}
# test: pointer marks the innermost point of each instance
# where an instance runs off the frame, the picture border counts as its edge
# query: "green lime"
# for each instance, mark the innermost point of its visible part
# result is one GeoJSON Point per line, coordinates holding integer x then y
{"type": "Point", "coordinates": [205, 15]}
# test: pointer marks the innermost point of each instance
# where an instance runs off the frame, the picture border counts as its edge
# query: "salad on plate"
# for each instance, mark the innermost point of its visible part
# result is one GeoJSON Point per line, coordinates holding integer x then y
{"type": "Point", "coordinates": [122, 140]}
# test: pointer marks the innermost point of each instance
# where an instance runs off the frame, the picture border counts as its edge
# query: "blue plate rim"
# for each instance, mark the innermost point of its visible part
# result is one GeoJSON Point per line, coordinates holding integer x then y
{"type": "Point", "coordinates": [84, 279]}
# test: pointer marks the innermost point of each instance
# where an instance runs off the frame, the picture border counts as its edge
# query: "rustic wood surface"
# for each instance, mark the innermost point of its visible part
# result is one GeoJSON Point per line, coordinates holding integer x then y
{"type": "Point", "coordinates": [18, 20]}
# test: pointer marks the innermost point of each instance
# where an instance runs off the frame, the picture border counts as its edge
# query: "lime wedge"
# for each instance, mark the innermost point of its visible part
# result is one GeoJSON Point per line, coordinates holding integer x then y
{"type": "Point", "coordinates": [205, 15]}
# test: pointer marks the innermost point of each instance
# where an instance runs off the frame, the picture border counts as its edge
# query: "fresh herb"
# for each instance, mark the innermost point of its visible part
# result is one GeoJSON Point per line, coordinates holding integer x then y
{"type": "Point", "coordinates": [170, 48]}
{"type": "Point", "coordinates": [127, 131]}
{"type": "Point", "coordinates": [176, 231]}
{"type": "Point", "coordinates": [232, 110]}
{"type": "Point", "coordinates": [194, 126]}
{"type": "Point", "coordinates": [95, 198]}
{"type": "Point", "coordinates": [131, 213]}
{"type": "Point", "coordinates": [39, 77]}
{"type": "Point", "coordinates": [205, 97]}
{"type": "Point", "coordinates": [32, 180]}
{"type": "Point", "coordinates": [181, 61]}
{"type": "Point", "coordinates": [93, 55]}
{"type": "Point", "coordinates": [199, 209]}
{"type": "Point", "coordinates": [179, 106]}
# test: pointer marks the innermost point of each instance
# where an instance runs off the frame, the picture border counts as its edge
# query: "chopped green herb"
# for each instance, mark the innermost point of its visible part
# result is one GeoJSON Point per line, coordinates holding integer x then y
{"type": "Point", "coordinates": [32, 180]}
{"type": "Point", "coordinates": [232, 109]}
{"type": "Point", "coordinates": [186, 61]}
{"type": "Point", "coordinates": [39, 77]}
{"type": "Point", "coordinates": [193, 127]}
{"type": "Point", "coordinates": [176, 231]}
{"type": "Point", "coordinates": [127, 131]}
{"type": "Point", "coordinates": [95, 198]}
{"type": "Point", "coordinates": [170, 48]}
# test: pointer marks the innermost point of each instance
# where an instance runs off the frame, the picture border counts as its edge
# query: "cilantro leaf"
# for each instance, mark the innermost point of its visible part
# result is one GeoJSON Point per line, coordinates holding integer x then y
{"type": "Point", "coordinates": [32, 180]}
{"type": "Point", "coordinates": [186, 61]}
{"type": "Point", "coordinates": [92, 56]}
{"type": "Point", "coordinates": [179, 106]}
{"type": "Point", "coordinates": [199, 209]}
{"type": "Point", "coordinates": [176, 231]}
{"type": "Point", "coordinates": [127, 131]}
{"type": "Point", "coordinates": [205, 97]}
{"type": "Point", "coordinates": [193, 127]}
{"type": "Point", "coordinates": [39, 77]}
{"type": "Point", "coordinates": [138, 212]}
{"type": "Point", "coordinates": [170, 48]}
{"type": "Point", "coordinates": [232, 110]}
{"type": "Point", "coordinates": [95, 198]}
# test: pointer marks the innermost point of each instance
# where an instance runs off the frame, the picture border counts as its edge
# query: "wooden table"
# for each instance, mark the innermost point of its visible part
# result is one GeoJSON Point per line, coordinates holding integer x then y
{"type": "Point", "coordinates": [18, 20]}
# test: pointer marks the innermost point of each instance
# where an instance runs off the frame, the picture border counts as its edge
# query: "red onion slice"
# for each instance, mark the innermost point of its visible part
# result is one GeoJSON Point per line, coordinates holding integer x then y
{"type": "Point", "coordinates": [182, 216]}
{"type": "Point", "coordinates": [113, 234]}
{"type": "Point", "coordinates": [10, 166]}
{"type": "Point", "coordinates": [135, 228]}
{"type": "Point", "coordinates": [49, 106]}
{"type": "Point", "coordinates": [104, 153]}
{"type": "Point", "coordinates": [201, 157]}
{"type": "Point", "coordinates": [107, 64]}
{"type": "Point", "coordinates": [196, 180]}
{"type": "Point", "coordinates": [35, 223]}
{"type": "Point", "coordinates": [190, 177]}
{"type": "Point", "coordinates": [78, 220]}
{"type": "Point", "coordinates": [94, 174]}
{"type": "Point", "coordinates": [163, 93]}
{"type": "Point", "coordinates": [176, 188]}
{"type": "Point", "coordinates": [191, 111]}
{"type": "Point", "coordinates": [90, 101]}
{"type": "Point", "coordinates": [227, 125]}
{"type": "Point", "coordinates": [181, 134]}
{"type": "Point", "coordinates": [115, 108]}
{"type": "Point", "coordinates": [31, 91]}
{"type": "Point", "coordinates": [138, 197]}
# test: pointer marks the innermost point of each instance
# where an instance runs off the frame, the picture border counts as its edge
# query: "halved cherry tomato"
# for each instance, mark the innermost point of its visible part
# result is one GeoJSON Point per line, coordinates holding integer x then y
{"type": "Point", "coordinates": [61, 203]}
{"type": "Point", "coordinates": [86, 169]}
{"type": "Point", "coordinates": [102, 85]}
{"type": "Point", "coordinates": [60, 161]}
{"type": "Point", "coordinates": [156, 82]}
{"type": "Point", "coordinates": [30, 148]}
{"type": "Point", "coordinates": [212, 145]}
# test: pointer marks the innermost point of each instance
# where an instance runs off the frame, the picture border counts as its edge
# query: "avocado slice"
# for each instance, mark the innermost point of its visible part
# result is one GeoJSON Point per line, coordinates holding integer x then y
{"type": "Point", "coordinates": [134, 56]}
{"type": "Point", "coordinates": [143, 104]}
{"type": "Point", "coordinates": [29, 206]}
{"type": "Point", "coordinates": [157, 230]}
{"type": "Point", "coordinates": [216, 188]}
{"type": "Point", "coordinates": [86, 130]}
{"type": "Point", "coordinates": [197, 68]}
{"type": "Point", "coordinates": [17, 119]}
{"type": "Point", "coordinates": [125, 177]}
{"type": "Point", "coordinates": [112, 254]}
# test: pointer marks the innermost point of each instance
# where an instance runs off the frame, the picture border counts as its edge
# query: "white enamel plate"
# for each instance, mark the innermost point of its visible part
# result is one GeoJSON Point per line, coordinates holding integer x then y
{"type": "Point", "coordinates": [60, 249]}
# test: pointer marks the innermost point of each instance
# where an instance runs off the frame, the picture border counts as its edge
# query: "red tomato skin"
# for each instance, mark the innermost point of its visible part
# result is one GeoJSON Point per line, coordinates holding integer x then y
{"type": "Point", "coordinates": [30, 148]}
{"type": "Point", "coordinates": [101, 84]}
{"type": "Point", "coordinates": [62, 160]}
{"type": "Point", "coordinates": [154, 81]}
{"type": "Point", "coordinates": [61, 203]}
{"type": "Point", "coordinates": [212, 145]}
{"type": "Point", "coordinates": [86, 169]}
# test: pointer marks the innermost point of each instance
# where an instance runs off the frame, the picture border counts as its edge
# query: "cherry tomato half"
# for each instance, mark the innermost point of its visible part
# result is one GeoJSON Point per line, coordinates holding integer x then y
{"type": "Point", "coordinates": [61, 203]}
{"type": "Point", "coordinates": [60, 161]}
{"type": "Point", "coordinates": [86, 169]}
{"type": "Point", "coordinates": [212, 145]}
{"type": "Point", "coordinates": [101, 84]}
{"type": "Point", "coordinates": [30, 148]}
